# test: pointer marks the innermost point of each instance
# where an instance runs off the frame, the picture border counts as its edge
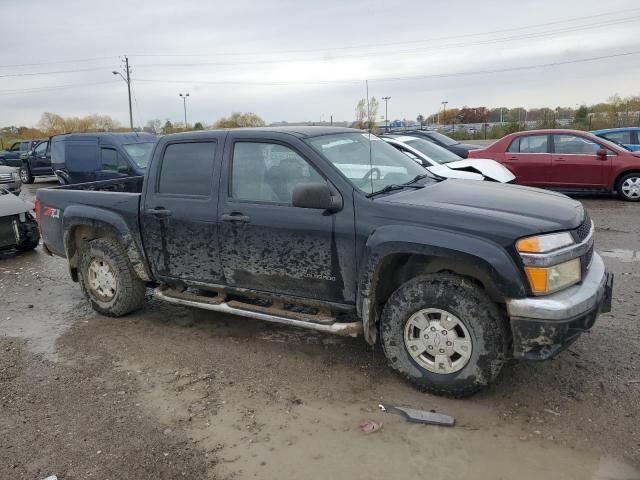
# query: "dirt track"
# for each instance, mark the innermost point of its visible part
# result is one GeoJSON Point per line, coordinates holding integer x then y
{"type": "Point", "coordinates": [170, 392]}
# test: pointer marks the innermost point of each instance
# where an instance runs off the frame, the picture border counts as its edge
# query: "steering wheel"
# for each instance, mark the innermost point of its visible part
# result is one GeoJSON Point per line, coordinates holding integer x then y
{"type": "Point", "coordinates": [370, 173]}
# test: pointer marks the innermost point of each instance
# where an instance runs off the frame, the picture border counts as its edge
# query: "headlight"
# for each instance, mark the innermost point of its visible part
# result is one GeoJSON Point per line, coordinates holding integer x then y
{"type": "Point", "coordinates": [544, 243]}
{"type": "Point", "coordinates": [544, 280]}
{"type": "Point", "coordinates": [15, 175]}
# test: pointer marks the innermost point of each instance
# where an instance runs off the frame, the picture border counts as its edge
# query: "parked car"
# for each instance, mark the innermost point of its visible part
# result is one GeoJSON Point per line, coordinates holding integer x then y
{"type": "Point", "coordinates": [88, 157]}
{"type": "Point", "coordinates": [567, 160]}
{"type": "Point", "coordinates": [18, 227]}
{"type": "Point", "coordinates": [628, 137]}
{"type": "Point", "coordinates": [36, 162]}
{"type": "Point", "coordinates": [460, 149]}
{"type": "Point", "coordinates": [454, 276]}
{"type": "Point", "coordinates": [446, 164]}
{"type": "Point", "coordinates": [10, 179]}
{"type": "Point", "coordinates": [13, 156]}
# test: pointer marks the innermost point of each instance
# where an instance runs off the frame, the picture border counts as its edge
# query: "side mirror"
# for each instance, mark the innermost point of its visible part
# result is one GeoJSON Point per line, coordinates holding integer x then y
{"type": "Point", "coordinates": [602, 153]}
{"type": "Point", "coordinates": [316, 195]}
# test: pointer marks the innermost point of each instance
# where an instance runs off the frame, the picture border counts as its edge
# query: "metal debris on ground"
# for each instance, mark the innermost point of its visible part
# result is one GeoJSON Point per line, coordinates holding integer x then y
{"type": "Point", "coordinates": [370, 426]}
{"type": "Point", "coordinates": [420, 416]}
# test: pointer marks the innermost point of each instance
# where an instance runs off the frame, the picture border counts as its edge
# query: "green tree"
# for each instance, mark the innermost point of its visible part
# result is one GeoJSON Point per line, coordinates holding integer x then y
{"type": "Point", "coordinates": [240, 120]}
{"type": "Point", "coordinates": [198, 126]}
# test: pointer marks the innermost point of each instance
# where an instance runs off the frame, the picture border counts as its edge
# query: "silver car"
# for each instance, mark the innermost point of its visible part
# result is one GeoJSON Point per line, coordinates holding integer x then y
{"type": "Point", "coordinates": [10, 179]}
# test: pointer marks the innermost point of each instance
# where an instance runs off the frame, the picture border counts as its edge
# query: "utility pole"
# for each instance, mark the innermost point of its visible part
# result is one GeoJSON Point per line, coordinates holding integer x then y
{"type": "Point", "coordinates": [332, 120]}
{"type": "Point", "coordinates": [386, 113]}
{"type": "Point", "coordinates": [184, 104]}
{"type": "Point", "coordinates": [127, 80]}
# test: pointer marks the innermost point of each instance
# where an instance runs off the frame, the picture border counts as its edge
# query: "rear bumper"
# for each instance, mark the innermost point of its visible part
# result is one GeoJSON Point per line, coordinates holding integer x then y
{"type": "Point", "coordinates": [544, 326]}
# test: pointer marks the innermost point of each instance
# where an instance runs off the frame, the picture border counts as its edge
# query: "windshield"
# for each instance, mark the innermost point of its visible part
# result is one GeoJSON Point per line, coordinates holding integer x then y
{"type": "Point", "coordinates": [139, 152]}
{"type": "Point", "coordinates": [369, 165]}
{"type": "Point", "coordinates": [607, 142]}
{"type": "Point", "coordinates": [433, 151]}
{"type": "Point", "coordinates": [443, 139]}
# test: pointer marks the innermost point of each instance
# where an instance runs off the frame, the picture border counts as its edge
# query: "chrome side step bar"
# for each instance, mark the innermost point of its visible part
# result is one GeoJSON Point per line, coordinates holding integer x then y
{"type": "Point", "coordinates": [352, 329]}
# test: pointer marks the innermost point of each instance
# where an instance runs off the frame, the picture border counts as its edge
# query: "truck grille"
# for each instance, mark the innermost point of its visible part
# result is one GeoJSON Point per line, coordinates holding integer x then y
{"type": "Point", "coordinates": [582, 232]}
{"type": "Point", "coordinates": [6, 178]}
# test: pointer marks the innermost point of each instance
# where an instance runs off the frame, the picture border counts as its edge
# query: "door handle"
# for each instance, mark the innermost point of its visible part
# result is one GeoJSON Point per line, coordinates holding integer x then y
{"type": "Point", "coordinates": [512, 158]}
{"type": "Point", "coordinates": [559, 159]}
{"type": "Point", "coordinates": [235, 218]}
{"type": "Point", "coordinates": [159, 212]}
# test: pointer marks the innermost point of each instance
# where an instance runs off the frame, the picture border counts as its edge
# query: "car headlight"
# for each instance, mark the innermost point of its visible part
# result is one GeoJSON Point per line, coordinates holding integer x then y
{"type": "Point", "coordinates": [545, 280]}
{"type": "Point", "coordinates": [15, 175]}
{"type": "Point", "coordinates": [544, 243]}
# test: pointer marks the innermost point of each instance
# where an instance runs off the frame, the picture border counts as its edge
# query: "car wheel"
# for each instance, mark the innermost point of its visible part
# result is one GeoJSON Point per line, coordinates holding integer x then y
{"type": "Point", "coordinates": [108, 280]}
{"type": "Point", "coordinates": [25, 174]}
{"type": "Point", "coordinates": [629, 187]}
{"type": "Point", "coordinates": [443, 334]}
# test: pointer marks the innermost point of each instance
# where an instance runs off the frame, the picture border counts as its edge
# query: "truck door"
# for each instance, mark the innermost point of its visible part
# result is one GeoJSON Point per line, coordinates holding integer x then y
{"type": "Point", "coordinates": [267, 244]}
{"type": "Point", "coordinates": [179, 213]}
{"type": "Point", "coordinates": [41, 159]}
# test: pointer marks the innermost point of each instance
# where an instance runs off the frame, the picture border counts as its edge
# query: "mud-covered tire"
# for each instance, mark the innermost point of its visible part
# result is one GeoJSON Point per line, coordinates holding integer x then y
{"type": "Point", "coordinates": [129, 289]}
{"type": "Point", "coordinates": [25, 174]}
{"type": "Point", "coordinates": [483, 320]}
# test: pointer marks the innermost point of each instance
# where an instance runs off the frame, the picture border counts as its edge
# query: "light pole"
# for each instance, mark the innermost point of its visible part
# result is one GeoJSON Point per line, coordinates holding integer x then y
{"type": "Point", "coordinates": [444, 110]}
{"type": "Point", "coordinates": [127, 80]}
{"type": "Point", "coordinates": [184, 104]}
{"type": "Point", "coordinates": [386, 113]}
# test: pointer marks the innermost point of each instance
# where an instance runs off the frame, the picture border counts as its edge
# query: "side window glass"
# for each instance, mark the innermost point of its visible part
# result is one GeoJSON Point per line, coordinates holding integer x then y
{"type": "Point", "coordinates": [573, 145]}
{"type": "Point", "coordinates": [266, 172]}
{"type": "Point", "coordinates": [515, 146]}
{"type": "Point", "coordinates": [619, 137]}
{"type": "Point", "coordinates": [533, 144]}
{"type": "Point", "coordinates": [15, 147]}
{"type": "Point", "coordinates": [187, 169]}
{"type": "Point", "coordinates": [41, 148]}
{"type": "Point", "coordinates": [109, 159]}
{"type": "Point", "coordinates": [25, 146]}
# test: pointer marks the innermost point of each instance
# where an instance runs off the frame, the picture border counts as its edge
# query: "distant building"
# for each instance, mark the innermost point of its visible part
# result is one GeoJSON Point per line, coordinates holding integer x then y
{"type": "Point", "coordinates": [308, 123]}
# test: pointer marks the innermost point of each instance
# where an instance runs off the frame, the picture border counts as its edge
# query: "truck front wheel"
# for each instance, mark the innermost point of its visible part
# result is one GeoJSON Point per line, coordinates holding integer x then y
{"type": "Point", "coordinates": [107, 279]}
{"type": "Point", "coordinates": [25, 174]}
{"type": "Point", "coordinates": [443, 334]}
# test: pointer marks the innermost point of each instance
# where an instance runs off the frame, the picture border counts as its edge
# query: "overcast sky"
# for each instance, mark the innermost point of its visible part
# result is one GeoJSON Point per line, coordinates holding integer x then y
{"type": "Point", "coordinates": [305, 61]}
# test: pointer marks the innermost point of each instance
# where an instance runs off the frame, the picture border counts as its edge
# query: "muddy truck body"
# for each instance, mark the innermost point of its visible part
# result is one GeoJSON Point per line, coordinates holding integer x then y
{"type": "Point", "coordinates": [333, 230]}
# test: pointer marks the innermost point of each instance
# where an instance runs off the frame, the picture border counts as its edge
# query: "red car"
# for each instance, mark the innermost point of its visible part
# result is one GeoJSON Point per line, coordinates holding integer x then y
{"type": "Point", "coordinates": [567, 160]}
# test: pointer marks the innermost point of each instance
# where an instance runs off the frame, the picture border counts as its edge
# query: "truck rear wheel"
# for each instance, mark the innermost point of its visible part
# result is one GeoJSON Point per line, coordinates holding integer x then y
{"type": "Point", "coordinates": [443, 334]}
{"type": "Point", "coordinates": [107, 279]}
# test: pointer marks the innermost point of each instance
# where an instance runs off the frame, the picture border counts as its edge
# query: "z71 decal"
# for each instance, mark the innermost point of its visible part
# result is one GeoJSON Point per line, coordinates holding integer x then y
{"type": "Point", "coordinates": [51, 212]}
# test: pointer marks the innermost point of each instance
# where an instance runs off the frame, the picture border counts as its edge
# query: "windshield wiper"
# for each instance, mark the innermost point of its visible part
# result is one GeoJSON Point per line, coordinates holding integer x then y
{"type": "Point", "coordinates": [415, 179]}
{"type": "Point", "coordinates": [393, 186]}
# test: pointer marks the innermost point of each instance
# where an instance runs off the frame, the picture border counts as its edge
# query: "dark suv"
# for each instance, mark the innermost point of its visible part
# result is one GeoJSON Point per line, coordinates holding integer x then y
{"type": "Point", "coordinates": [36, 162]}
{"type": "Point", "coordinates": [13, 156]}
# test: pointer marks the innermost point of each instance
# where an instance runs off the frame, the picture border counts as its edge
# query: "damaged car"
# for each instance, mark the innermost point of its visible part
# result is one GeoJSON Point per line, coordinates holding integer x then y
{"type": "Point", "coordinates": [447, 164]}
{"type": "Point", "coordinates": [18, 227]}
{"type": "Point", "coordinates": [336, 231]}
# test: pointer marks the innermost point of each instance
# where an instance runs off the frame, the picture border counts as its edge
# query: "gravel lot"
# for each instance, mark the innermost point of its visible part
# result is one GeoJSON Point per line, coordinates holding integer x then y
{"type": "Point", "coordinates": [170, 392]}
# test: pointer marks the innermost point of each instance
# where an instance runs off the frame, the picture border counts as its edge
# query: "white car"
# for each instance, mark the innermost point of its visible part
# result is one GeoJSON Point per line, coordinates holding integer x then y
{"type": "Point", "coordinates": [447, 164]}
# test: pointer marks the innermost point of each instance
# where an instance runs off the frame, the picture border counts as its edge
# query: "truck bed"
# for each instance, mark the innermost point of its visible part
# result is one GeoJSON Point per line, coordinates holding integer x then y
{"type": "Point", "coordinates": [116, 200]}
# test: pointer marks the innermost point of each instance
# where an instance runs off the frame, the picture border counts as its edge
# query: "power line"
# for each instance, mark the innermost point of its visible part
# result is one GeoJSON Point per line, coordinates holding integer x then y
{"type": "Point", "coordinates": [375, 45]}
{"type": "Point", "coordinates": [59, 62]}
{"type": "Point", "coordinates": [400, 78]}
{"type": "Point", "coordinates": [55, 72]}
{"type": "Point", "coordinates": [53, 87]}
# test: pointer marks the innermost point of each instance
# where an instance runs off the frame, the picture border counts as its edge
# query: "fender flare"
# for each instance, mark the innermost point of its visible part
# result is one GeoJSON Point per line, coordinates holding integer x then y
{"type": "Point", "coordinates": [479, 258]}
{"type": "Point", "coordinates": [76, 216]}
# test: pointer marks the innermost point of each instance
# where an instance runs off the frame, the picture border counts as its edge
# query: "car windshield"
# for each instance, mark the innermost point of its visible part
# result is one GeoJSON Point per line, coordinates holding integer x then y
{"type": "Point", "coordinates": [370, 165]}
{"type": "Point", "coordinates": [608, 142]}
{"type": "Point", "coordinates": [443, 139]}
{"type": "Point", "coordinates": [139, 152]}
{"type": "Point", "coordinates": [433, 151]}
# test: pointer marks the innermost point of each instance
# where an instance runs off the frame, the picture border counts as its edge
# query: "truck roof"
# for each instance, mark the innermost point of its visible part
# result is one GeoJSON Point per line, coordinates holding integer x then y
{"type": "Point", "coordinates": [299, 131]}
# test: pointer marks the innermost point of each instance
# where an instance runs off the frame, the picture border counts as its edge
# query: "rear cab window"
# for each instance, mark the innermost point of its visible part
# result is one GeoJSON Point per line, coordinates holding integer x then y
{"type": "Point", "coordinates": [187, 169]}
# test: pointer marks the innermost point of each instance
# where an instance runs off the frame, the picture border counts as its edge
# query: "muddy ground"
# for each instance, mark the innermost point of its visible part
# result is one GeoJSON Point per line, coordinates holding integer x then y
{"type": "Point", "coordinates": [170, 392]}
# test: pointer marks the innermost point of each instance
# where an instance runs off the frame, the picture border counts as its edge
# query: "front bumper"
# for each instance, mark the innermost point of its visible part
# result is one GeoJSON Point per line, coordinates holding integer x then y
{"type": "Point", "coordinates": [544, 326]}
{"type": "Point", "coordinates": [13, 187]}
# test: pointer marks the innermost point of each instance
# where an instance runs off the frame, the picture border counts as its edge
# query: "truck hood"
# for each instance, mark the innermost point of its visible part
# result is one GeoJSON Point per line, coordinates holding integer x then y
{"type": "Point", "coordinates": [485, 170]}
{"type": "Point", "coordinates": [12, 205]}
{"type": "Point", "coordinates": [511, 210]}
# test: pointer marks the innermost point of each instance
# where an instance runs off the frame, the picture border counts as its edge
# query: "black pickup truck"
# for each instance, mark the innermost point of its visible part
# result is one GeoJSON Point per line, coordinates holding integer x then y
{"type": "Point", "coordinates": [334, 230]}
